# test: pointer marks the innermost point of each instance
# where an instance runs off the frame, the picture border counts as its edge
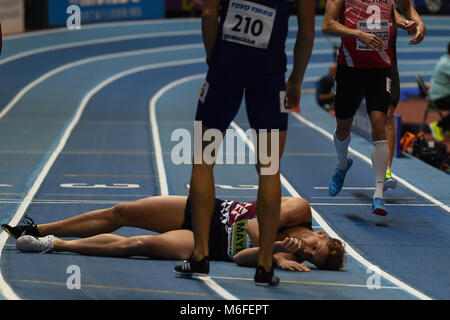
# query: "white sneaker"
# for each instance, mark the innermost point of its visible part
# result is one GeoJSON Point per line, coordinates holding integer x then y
{"type": "Point", "coordinates": [389, 183]}
{"type": "Point", "coordinates": [32, 244]}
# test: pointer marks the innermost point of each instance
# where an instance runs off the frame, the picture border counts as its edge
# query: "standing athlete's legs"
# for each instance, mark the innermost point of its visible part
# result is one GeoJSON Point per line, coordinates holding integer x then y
{"type": "Point", "coordinates": [391, 183]}
{"type": "Point", "coordinates": [219, 102]}
{"type": "Point", "coordinates": [380, 151]}
{"type": "Point", "coordinates": [378, 92]}
{"type": "Point", "coordinates": [202, 193]}
{"type": "Point", "coordinates": [269, 198]}
{"type": "Point", "coordinates": [341, 140]}
{"type": "Point", "coordinates": [390, 134]}
{"type": "Point", "coordinates": [349, 94]}
{"type": "Point", "coordinates": [268, 117]}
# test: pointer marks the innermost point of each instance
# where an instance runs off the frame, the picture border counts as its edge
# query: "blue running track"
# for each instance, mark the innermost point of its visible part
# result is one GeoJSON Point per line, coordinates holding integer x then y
{"type": "Point", "coordinates": [86, 119]}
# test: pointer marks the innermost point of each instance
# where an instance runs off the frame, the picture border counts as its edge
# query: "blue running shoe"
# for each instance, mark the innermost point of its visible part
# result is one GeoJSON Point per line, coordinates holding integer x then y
{"type": "Point", "coordinates": [337, 181]}
{"type": "Point", "coordinates": [390, 183]}
{"type": "Point", "coordinates": [378, 207]}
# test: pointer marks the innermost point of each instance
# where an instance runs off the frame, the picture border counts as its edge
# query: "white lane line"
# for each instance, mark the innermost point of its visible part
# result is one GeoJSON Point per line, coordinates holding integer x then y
{"type": "Point", "coordinates": [332, 233]}
{"type": "Point", "coordinates": [74, 64]}
{"type": "Point", "coordinates": [347, 188]}
{"type": "Point", "coordinates": [167, 34]}
{"type": "Point", "coordinates": [432, 27]}
{"type": "Point", "coordinates": [31, 34]}
{"type": "Point", "coordinates": [55, 71]}
{"type": "Point", "coordinates": [99, 41]}
{"type": "Point", "coordinates": [369, 204]}
{"type": "Point", "coordinates": [155, 130]}
{"type": "Point", "coordinates": [312, 283]}
{"type": "Point", "coordinates": [402, 74]}
{"type": "Point", "coordinates": [407, 50]}
{"type": "Point", "coordinates": [161, 168]}
{"type": "Point", "coordinates": [386, 198]}
{"type": "Point", "coordinates": [16, 201]}
{"type": "Point", "coordinates": [5, 289]}
{"type": "Point", "coordinates": [399, 39]}
{"type": "Point", "coordinates": [369, 162]}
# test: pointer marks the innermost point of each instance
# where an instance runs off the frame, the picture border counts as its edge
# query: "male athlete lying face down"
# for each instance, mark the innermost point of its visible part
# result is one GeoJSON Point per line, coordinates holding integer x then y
{"type": "Point", "coordinates": [234, 233]}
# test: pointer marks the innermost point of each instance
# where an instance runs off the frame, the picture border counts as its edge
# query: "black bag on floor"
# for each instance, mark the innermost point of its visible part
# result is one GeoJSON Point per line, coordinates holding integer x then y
{"type": "Point", "coordinates": [431, 152]}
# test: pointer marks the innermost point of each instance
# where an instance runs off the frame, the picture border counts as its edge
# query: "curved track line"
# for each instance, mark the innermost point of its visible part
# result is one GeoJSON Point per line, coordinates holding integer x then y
{"type": "Point", "coordinates": [25, 89]}
{"type": "Point", "coordinates": [161, 168]}
{"type": "Point", "coordinates": [331, 232]}
{"type": "Point", "coordinates": [53, 72]}
{"type": "Point", "coordinates": [316, 215]}
{"type": "Point", "coordinates": [31, 34]}
{"type": "Point", "coordinates": [99, 41]}
{"type": "Point", "coordinates": [5, 289]}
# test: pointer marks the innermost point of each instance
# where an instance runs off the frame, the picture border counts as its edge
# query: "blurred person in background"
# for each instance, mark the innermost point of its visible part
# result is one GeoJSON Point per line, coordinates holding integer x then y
{"type": "Point", "coordinates": [440, 95]}
{"type": "Point", "coordinates": [325, 89]}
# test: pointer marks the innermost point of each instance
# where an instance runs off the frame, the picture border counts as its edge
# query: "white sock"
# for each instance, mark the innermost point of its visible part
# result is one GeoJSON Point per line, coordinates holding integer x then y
{"type": "Point", "coordinates": [342, 151]}
{"type": "Point", "coordinates": [380, 155]}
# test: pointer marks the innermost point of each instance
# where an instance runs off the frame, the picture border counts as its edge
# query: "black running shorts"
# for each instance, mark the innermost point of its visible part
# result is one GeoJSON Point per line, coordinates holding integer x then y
{"type": "Point", "coordinates": [217, 234]}
{"type": "Point", "coordinates": [354, 84]}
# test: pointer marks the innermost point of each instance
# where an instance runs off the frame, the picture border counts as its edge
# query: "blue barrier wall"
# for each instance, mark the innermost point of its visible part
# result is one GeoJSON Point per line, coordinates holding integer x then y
{"type": "Point", "coordinates": [105, 11]}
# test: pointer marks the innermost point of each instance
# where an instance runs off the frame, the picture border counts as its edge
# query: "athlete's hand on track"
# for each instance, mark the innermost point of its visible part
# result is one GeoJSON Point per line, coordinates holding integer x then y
{"type": "Point", "coordinates": [420, 34]}
{"type": "Point", "coordinates": [371, 40]}
{"type": "Point", "coordinates": [292, 94]}
{"type": "Point", "coordinates": [288, 245]}
{"type": "Point", "coordinates": [290, 265]}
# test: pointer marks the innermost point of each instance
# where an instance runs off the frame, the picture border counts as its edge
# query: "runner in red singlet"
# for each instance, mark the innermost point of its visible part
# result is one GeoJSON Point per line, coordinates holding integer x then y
{"type": "Point", "coordinates": [364, 61]}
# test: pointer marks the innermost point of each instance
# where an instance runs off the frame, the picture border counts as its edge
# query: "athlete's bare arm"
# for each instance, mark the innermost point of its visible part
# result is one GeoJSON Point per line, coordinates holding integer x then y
{"type": "Point", "coordinates": [410, 12]}
{"type": "Point", "coordinates": [332, 27]}
{"type": "Point", "coordinates": [294, 211]}
{"type": "Point", "coordinates": [282, 258]}
{"type": "Point", "coordinates": [302, 50]}
{"type": "Point", "coordinates": [210, 26]}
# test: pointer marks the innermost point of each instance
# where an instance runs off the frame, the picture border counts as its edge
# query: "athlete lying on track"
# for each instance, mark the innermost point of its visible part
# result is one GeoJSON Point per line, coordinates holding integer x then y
{"type": "Point", "coordinates": [233, 237]}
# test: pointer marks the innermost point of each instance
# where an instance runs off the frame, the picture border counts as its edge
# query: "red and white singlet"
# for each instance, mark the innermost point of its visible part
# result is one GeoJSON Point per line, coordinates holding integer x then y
{"type": "Point", "coordinates": [371, 16]}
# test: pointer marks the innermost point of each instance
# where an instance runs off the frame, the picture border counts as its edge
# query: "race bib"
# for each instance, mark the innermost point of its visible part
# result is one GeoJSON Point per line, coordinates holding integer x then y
{"type": "Point", "coordinates": [203, 91]}
{"type": "Point", "coordinates": [238, 238]}
{"type": "Point", "coordinates": [381, 30]}
{"type": "Point", "coordinates": [249, 24]}
{"type": "Point", "coordinates": [283, 102]}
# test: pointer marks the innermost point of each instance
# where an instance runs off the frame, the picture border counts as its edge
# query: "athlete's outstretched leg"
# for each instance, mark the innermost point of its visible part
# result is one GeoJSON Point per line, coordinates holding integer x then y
{"type": "Point", "coordinates": [159, 214]}
{"type": "Point", "coordinates": [176, 244]}
{"type": "Point", "coordinates": [380, 155]}
{"type": "Point", "coordinates": [342, 137]}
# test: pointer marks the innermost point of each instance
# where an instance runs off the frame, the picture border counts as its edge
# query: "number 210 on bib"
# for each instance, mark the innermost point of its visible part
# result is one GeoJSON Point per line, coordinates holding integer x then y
{"type": "Point", "coordinates": [249, 24]}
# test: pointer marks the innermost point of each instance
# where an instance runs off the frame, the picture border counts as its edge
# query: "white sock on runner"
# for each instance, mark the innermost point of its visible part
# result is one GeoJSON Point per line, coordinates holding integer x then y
{"type": "Point", "coordinates": [380, 155]}
{"type": "Point", "coordinates": [342, 150]}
